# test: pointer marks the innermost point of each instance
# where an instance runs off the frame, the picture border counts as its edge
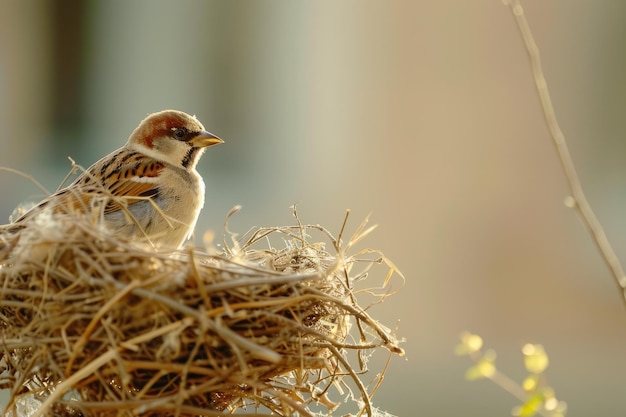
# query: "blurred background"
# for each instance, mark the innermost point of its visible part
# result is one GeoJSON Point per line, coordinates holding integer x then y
{"type": "Point", "coordinates": [421, 112]}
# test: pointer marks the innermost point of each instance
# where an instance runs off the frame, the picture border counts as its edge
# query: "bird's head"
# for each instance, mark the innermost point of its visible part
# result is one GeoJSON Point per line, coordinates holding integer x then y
{"type": "Point", "coordinates": [173, 137]}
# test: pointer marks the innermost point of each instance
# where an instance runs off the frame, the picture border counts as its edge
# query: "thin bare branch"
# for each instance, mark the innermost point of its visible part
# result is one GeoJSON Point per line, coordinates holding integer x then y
{"type": "Point", "coordinates": [577, 201]}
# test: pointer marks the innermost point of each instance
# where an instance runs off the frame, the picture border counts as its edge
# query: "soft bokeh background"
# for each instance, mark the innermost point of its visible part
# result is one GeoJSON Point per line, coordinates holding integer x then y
{"type": "Point", "coordinates": [422, 112]}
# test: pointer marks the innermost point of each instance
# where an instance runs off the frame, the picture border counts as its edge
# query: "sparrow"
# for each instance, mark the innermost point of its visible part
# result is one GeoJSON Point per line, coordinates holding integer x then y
{"type": "Point", "coordinates": [148, 190]}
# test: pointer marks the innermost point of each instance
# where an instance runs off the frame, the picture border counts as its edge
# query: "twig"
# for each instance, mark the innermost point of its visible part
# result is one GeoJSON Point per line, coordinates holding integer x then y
{"type": "Point", "coordinates": [578, 201]}
{"type": "Point", "coordinates": [28, 177]}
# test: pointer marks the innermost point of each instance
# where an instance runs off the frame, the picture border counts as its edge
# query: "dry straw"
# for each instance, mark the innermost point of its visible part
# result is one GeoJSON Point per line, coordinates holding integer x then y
{"type": "Point", "coordinates": [96, 326]}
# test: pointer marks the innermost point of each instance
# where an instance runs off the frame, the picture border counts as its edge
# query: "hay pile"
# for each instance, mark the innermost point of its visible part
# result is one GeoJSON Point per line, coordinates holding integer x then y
{"type": "Point", "coordinates": [94, 326]}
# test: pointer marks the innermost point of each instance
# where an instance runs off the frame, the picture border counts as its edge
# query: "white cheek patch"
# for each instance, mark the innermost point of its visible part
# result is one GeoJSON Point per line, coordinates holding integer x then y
{"type": "Point", "coordinates": [174, 154]}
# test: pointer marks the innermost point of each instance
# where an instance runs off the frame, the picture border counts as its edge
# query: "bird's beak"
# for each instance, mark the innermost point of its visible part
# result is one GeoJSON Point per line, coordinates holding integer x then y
{"type": "Point", "coordinates": [204, 139]}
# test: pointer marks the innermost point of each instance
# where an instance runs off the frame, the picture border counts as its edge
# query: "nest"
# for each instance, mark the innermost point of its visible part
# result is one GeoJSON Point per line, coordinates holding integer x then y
{"type": "Point", "coordinates": [95, 326]}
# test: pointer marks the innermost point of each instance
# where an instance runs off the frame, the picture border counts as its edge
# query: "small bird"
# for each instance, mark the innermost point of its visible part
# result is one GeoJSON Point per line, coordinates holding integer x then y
{"type": "Point", "coordinates": [149, 189]}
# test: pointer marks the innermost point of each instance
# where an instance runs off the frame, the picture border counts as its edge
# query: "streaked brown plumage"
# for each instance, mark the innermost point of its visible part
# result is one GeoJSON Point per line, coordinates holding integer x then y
{"type": "Point", "coordinates": [148, 190]}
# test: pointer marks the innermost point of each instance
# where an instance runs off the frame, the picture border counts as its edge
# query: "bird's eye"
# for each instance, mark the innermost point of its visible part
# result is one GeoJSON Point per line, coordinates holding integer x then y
{"type": "Point", "coordinates": [180, 133]}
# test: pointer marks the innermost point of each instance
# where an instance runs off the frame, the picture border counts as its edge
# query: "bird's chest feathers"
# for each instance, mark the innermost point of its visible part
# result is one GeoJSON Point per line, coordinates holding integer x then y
{"type": "Point", "coordinates": [181, 190]}
{"type": "Point", "coordinates": [172, 209]}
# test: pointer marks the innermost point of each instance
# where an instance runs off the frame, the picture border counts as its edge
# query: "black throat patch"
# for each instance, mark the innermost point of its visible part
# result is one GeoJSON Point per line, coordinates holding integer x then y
{"type": "Point", "coordinates": [190, 156]}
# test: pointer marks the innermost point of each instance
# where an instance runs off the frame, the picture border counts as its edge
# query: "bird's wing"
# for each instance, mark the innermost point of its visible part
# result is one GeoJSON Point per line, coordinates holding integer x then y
{"type": "Point", "coordinates": [117, 181]}
{"type": "Point", "coordinates": [131, 182]}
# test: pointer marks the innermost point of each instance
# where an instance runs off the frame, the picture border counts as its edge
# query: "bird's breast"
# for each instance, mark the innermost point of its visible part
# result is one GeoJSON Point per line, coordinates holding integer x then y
{"type": "Point", "coordinates": [168, 216]}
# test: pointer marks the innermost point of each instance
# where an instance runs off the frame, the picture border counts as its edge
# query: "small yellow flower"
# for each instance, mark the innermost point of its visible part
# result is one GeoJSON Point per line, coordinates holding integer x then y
{"type": "Point", "coordinates": [485, 368]}
{"type": "Point", "coordinates": [470, 343]}
{"type": "Point", "coordinates": [535, 358]}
